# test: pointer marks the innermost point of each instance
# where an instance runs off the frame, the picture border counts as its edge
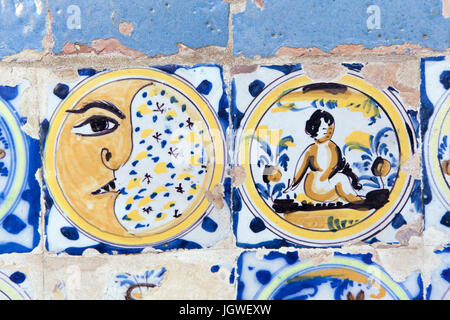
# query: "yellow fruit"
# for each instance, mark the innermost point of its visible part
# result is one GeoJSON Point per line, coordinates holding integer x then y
{"type": "Point", "coordinates": [445, 165]}
{"type": "Point", "coordinates": [271, 174]}
{"type": "Point", "coordinates": [381, 167]}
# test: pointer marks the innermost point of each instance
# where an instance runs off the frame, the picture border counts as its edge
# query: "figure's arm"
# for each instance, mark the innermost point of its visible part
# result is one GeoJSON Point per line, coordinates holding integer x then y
{"type": "Point", "coordinates": [305, 163]}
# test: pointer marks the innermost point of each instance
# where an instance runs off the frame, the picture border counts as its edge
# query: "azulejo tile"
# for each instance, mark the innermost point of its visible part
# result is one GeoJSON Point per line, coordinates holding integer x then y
{"type": "Point", "coordinates": [14, 285]}
{"type": "Point", "coordinates": [22, 26]}
{"type": "Point", "coordinates": [193, 23]}
{"type": "Point", "coordinates": [20, 191]}
{"type": "Point", "coordinates": [135, 158]}
{"type": "Point", "coordinates": [439, 289]}
{"type": "Point", "coordinates": [134, 286]}
{"type": "Point", "coordinates": [366, 23]}
{"type": "Point", "coordinates": [322, 159]}
{"type": "Point", "coordinates": [435, 129]}
{"type": "Point", "coordinates": [283, 276]}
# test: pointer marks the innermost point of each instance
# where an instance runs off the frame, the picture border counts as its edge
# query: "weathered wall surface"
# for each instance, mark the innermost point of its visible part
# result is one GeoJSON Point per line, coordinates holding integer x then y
{"type": "Point", "coordinates": [230, 61]}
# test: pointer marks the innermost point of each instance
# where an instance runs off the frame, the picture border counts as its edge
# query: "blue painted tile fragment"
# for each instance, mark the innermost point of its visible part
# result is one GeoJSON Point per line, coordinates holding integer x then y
{"type": "Point", "coordinates": [13, 224]}
{"type": "Point", "coordinates": [18, 277]}
{"type": "Point", "coordinates": [326, 24]}
{"type": "Point", "coordinates": [61, 90]}
{"type": "Point", "coordinates": [157, 25]}
{"type": "Point", "coordinates": [215, 268]}
{"type": "Point", "coordinates": [70, 233]}
{"type": "Point", "coordinates": [19, 231]}
{"type": "Point", "coordinates": [9, 93]}
{"type": "Point", "coordinates": [22, 26]}
{"type": "Point", "coordinates": [209, 225]}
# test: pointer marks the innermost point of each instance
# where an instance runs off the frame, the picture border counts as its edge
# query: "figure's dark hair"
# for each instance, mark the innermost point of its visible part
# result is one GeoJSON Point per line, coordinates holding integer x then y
{"type": "Point", "coordinates": [313, 124]}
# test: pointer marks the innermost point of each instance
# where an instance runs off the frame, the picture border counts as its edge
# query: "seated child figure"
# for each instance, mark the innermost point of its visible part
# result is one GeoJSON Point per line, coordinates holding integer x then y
{"type": "Point", "coordinates": [328, 177]}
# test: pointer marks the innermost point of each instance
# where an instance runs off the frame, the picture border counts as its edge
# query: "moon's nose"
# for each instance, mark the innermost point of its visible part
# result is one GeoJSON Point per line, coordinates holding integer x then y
{"type": "Point", "coordinates": [106, 156]}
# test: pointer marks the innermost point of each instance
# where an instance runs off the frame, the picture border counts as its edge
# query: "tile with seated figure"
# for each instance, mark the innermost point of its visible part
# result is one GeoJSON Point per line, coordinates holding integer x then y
{"type": "Point", "coordinates": [322, 159]}
{"type": "Point", "coordinates": [283, 276]}
{"type": "Point", "coordinates": [19, 163]}
{"type": "Point", "coordinates": [435, 129]}
{"type": "Point", "coordinates": [136, 158]}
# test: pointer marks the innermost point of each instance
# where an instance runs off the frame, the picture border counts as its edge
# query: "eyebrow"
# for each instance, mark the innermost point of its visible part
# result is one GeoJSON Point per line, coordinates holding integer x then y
{"type": "Point", "coordinates": [106, 105]}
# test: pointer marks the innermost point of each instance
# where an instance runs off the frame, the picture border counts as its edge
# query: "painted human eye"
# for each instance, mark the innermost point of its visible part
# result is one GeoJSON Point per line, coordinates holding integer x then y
{"type": "Point", "coordinates": [96, 126]}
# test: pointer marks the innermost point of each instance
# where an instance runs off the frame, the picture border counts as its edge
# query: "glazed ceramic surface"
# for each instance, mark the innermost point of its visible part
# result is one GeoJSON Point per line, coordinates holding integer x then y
{"type": "Point", "coordinates": [282, 276]}
{"type": "Point", "coordinates": [435, 97]}
{"type": "Point", "coordinates": [19, 189]}
{"type": "Point", "coordinates": [11, 286]}
{"type": "Point", "coordinates": [439, 288]}
{"type": "Point", "coordinates": [143, 147]}
{"type": "Point", "coordinates": [323, 159]}
{"type": "Point", "coordinates": [134, 286]}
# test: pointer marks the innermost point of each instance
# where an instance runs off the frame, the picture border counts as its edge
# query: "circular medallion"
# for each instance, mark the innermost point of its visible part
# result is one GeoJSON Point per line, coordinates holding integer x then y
{"type": "Point", "coordinates": [437, 149]}
{"type": "Point", "coordinates": [322, 159]}
{"type": "Point", "coordinates": [11, 291]}
{"type": "Point", "coordinates": [338, 279]}
{"type": "Point", "coordinates": [130, 155]}
{"type": "Point", "coordinates": [13, 159]}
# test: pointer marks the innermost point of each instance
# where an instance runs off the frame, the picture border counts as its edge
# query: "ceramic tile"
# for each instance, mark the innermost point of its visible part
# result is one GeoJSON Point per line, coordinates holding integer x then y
{"type": "Point", "coordinates": [19, 163]}
{"type": "Point", "coordinates": [435, 99]}
{"type": "Point", "coordinates": [136, 158]}
{"type": "Point", "coordinates": [22, 26]}
{"type": "Point", "coordinates": [283, 276]}
{"type": "Point", "coordinates": [322, 159]}
{"type": "Point", "coordinates": [14, 285]}
{"type": "Point", "coordinates": [177, 274]}
{"type": "Point", "coordinates": [134, 286]}
{"type": "Point", "coordinates": [439, 289]}
{"type": "Point", "coordinates": [225, 270]}
{"type": "Point", "coordinates": [138, 27]}
{"type": "Point", "coordinates": [326, 25]}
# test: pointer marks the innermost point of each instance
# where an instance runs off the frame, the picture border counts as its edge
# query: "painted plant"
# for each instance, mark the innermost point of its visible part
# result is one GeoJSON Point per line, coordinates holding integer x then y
{"type": "Point", "coordinates": [135, 286]}
{"type": "Point", "coordinates": [375, 158]}
{"type": "Point", "coordinates": [273, 160]}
